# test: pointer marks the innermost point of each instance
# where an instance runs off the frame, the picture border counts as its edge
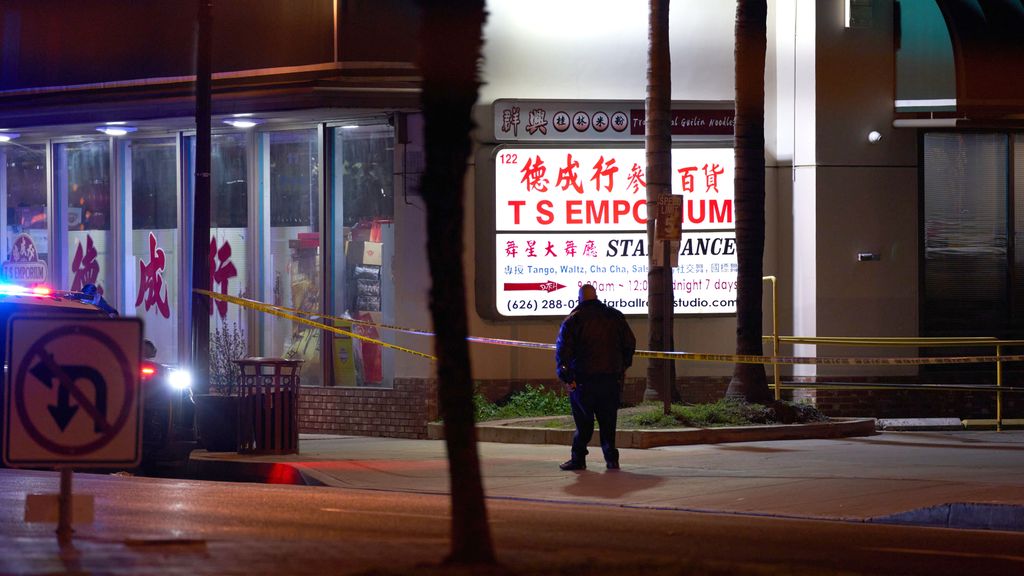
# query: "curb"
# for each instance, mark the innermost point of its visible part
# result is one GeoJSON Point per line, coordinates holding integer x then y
{"type": "Point", "coordinates": [642, 439]}
{"type": "Point", "coordinates": [203, 465]}
{"type": "Point", "coordinates": [961, 515]}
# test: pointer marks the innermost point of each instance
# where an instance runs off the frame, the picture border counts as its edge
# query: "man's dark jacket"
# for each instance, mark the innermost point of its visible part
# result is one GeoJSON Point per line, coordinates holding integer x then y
{"type": "Point", "coordinates": [594, 340]}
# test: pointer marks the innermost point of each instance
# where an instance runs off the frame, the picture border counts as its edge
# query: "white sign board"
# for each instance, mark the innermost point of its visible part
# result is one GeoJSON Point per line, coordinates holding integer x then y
{"type": "Point", "coordinates": [72, 394]}
{"type": "Point", "coordinates": [569, 216]}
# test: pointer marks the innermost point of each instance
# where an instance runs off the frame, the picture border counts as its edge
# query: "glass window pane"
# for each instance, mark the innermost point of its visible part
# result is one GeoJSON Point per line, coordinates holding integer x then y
{"type": "Point", "coordinates": [227, 251]}
{"type": "Point", "coordinates": [153, 188]}
{"type": "Point", "coordinates": [229, 192]}
{"type": "Point", "coordinates": [83, 177]}
{"type": "Point", "coordinates": [292, 165]}
{"type": "Point", "coordinates": [153, 183]}
{"type": "Point", "coordinates": [363, 192]}
{"type": "Point", "coordinates": [965, 234]}
{"type": "Point", "coordinates": [1018, 230]}
{"type": "Point", "coordinates": [26, 240]}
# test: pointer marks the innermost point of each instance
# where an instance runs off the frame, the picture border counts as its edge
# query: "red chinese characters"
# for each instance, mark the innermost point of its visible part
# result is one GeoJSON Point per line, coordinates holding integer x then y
{"type": "Point", "coordinates": [221, 270]}
{"type": "Point", "coordinates": [85, 269]}
{"type": "Point", "coordinates": [533, 175]}
{"type": "Point", "coordinates": [567, 176]}
{"type": "Point", "coordinates": [604, 169]}
{"type": "Point", "coordinates": [152, 290]}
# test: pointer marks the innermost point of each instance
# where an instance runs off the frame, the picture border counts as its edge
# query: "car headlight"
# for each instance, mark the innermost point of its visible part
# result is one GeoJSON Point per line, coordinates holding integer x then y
{"type": "Point", "coordinates": [180, 379]}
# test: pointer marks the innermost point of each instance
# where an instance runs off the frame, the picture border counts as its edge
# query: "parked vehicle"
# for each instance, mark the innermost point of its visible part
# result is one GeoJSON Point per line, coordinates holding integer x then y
{"type": "Point", "coordinates": [168, 433]}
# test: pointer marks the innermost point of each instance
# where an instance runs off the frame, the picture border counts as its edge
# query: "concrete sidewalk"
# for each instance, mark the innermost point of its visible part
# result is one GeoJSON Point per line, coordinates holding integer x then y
{"type": "Point", "coordinates": [972, 479]}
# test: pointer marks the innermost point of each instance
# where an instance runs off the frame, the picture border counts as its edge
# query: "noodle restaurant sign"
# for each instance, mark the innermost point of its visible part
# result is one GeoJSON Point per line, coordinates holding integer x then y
{"type": "Point", "coordinates": [569, 216]}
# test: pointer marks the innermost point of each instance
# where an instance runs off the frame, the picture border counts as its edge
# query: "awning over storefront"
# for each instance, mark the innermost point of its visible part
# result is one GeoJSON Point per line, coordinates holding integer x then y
{"type": "Point", "coordinates": [331, 85]}
{"type": "Point", "coordinates": [68, 62]}
{"type": "Point", "coordinates": [961, 59]}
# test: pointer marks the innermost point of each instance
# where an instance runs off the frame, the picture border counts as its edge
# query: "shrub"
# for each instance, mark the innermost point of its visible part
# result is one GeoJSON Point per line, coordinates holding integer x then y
{"type": "Point", "coordinates": [725, 412]}
{"type": "Point", "coordinates": [227, 343]}
{"type": "Point", "coordinates": [527, 403]}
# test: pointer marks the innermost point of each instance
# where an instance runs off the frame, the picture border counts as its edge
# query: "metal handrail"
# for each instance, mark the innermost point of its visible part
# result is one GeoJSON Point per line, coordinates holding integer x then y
{"type": "Point", "coordinates": [895, 341]}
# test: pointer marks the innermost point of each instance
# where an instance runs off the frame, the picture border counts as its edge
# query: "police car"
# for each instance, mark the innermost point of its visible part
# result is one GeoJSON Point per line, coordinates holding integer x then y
{"type": "Point", "coordinates": [168, 410]}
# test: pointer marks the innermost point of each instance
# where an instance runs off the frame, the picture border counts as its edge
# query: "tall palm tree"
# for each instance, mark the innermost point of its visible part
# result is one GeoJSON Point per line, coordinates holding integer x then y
{"type": "Point", "coordinates": [658, 143]}
{"type": "Point", "coordinates": [451, 41]}
{"type": "Point", "coordinates": [748, 380]}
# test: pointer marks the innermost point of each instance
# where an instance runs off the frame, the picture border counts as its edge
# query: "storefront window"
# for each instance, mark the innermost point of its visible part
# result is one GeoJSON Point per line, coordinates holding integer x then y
{"type": "Point", "coordinates": [966, 227]}
{"type": "Point", "coordinates": [153, 185]}
{"type": "Point", "coordinates": [26, 241]}
{"type": "Point", "coordinates": [291, 165]}
{"type": "Point", "coordinates": [363, 242]}
{"type": "Point", "coordinates": [227, 252]}
{"type": "Point", "coordinates": [83, 178]}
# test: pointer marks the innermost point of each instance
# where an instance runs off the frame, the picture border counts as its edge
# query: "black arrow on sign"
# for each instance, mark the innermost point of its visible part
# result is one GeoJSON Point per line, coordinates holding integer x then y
{"type": "Point", "coordinates": [48, 370]}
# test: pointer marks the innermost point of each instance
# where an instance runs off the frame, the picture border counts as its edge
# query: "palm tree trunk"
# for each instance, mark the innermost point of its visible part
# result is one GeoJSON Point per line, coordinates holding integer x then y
{"type": "Point", "coordinates": [658, 143]}
{"type": "Point", "coordinates": [748, 380]}
{"type": "Point", "coordinates": [450, 52]}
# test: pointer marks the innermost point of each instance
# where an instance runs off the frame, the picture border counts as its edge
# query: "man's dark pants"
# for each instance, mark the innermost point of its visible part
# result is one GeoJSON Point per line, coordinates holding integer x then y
{"type": "Point", "coordinates": [595, 396]}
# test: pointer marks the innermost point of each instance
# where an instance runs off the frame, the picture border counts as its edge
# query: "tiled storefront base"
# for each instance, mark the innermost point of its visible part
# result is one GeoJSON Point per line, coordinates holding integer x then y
{"type": "Point", "coordinates": [403, 411]}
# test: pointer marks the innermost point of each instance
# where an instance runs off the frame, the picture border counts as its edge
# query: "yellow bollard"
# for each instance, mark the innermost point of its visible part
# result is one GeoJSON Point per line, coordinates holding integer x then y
{"type": "Point", "coordinates": [999, 391]}
{"type": "Point", "coordinates": [775, 337]}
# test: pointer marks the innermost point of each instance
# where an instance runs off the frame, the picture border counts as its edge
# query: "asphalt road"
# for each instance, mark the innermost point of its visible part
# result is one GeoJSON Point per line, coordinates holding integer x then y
{"type": "Point", "coordinates": [155, 526]}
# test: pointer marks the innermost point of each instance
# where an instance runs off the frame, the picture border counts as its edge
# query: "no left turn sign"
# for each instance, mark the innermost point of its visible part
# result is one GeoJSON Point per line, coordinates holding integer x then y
{"type": "Point", "coordinates": [71, 395]}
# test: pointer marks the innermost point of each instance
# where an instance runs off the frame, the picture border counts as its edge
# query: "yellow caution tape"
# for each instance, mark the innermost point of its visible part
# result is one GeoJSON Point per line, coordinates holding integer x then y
{"type": "Point", "coordinates": [827, 361]}
{"type": "Point", "coordinates": [256, 305]}
{"type": "Point", "coordinates": [277, 311]}
{"type": "Point", "coordinates": [299, 316]}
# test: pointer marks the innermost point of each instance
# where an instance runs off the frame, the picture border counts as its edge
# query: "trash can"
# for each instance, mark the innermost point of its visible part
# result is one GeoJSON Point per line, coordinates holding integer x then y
{"type": "Point", "coordinates": [268, 409]}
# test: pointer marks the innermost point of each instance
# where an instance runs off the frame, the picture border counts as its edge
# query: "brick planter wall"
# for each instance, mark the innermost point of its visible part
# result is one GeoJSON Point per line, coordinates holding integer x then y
{"type": "Point", "coordinates": [403, 412]}
{"type": "Point", "coordinates": [400, 412]}
{"type": "Point", "coordinates": [911, 403]}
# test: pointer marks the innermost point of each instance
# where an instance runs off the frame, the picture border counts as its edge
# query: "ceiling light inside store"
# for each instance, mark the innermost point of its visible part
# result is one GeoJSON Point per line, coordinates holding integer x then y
{"type": "Point", "coordinates": [350, 127]}
{"type": "Point", "coordinates": [243, 122]}
{"type": "Point", "coordinates": [8, 136]}
{"type": "Point", "coordinates": [116, 129]}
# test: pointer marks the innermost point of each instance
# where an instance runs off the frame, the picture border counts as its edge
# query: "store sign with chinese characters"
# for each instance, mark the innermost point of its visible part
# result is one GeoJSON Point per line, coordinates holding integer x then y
{"type": "Point", "coordinates": [569, 216]}
{"type": "Point", "coordinates": [568, 120]}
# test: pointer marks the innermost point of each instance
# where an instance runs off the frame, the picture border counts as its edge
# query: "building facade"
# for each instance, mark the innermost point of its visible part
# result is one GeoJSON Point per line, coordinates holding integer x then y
{"type": "Point", "coordinates": [892, 171]}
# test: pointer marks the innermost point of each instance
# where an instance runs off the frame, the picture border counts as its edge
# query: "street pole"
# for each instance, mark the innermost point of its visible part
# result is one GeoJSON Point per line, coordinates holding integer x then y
{"type": "Point", "coordinates": [201, 202]}
{"type": "Point", "coordinates": [64, 506]}
{"type": "Point", "coordinates": [667, 324]}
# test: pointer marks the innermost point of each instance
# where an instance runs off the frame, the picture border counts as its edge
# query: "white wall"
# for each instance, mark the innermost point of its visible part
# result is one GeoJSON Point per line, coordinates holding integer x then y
{"type": "Point", "coordinates": [597, 49]}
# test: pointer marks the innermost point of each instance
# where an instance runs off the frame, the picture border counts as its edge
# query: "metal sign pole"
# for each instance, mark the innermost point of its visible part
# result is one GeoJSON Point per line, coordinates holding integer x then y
{"type": "Point", "coordinates": [64, 504]}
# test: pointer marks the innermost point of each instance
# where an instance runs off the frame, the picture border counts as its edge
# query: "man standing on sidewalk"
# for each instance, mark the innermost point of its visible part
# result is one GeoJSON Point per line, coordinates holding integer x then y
{"type": "Point", "coordinates": [595, 346]}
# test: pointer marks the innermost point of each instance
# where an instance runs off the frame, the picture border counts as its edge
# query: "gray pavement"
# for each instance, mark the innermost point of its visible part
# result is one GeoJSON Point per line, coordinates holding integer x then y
{"type": "Point", "coordinates": [957, 479]}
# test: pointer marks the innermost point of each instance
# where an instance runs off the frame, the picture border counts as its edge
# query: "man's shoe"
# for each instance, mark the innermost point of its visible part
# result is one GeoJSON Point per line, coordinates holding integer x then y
{"type": "Point", "coordinates": [573, 465]}
{"type": "Point", "coordinates": [613, 465]}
